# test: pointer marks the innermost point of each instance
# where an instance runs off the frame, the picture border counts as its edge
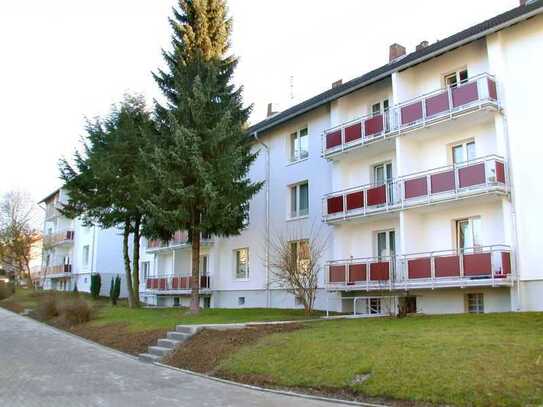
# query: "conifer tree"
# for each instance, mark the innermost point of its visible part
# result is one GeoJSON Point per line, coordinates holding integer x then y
{"type": "Point", "coordinates": [201, 164]}
{"type": "Point", "coordinates": [107, 186]}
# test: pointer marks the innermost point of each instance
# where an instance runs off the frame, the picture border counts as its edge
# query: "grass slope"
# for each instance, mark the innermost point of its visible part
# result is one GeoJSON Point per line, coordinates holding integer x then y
{"type": "Point", "coordinates": [481, 360]}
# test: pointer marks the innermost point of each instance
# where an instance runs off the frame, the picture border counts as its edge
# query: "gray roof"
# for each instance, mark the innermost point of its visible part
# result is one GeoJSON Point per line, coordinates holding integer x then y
{"type": "Point", "coordinates": [475, 32]}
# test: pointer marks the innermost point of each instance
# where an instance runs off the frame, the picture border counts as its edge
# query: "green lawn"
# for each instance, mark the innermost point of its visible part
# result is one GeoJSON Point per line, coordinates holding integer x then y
{"type": "Point", "coordinates": [482, 360]}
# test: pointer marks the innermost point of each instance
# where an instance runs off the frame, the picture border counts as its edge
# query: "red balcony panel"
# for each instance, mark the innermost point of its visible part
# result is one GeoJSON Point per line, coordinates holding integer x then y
{"type": "Point", "coordinates": [472, 175]}
{"type": "Point", "coordinates": [353, 132]}
{"type": "Point", "coordinates": [154, 283]}
{"type": "Point", "coordinates": [411, 113]}
{"type": "Point", "coordinates": [506, 263]}
{"type": "Point", "coordinates": [437, 104]}
{"type": "Point", "coordinates": [162, 283]}
{"type": "Point", "coordinates": [477, 264]}
{"type": "Point", "coordinates": [447, 266]}
{"type": "Point", "coordinates": [204, 281]}
{"type": "Point", "coordinates": [379, 271]}
{"type": "Point", "coordinates": [357, 272]}
{"type": "Point", "coordinates": [333, 139]}
{"type": "Point", "coordinates": [184, 283]}
{"type": "Point", "coordinates": [441, 182]}
{"type": "Point", "coordinates": [337, 274]}
{"type": "Point", "coordinates": [416, 187]}
{"type": "Point", "coordinates": [376, 195]}
{"type": "Point", "coordinates": [464, 94]}
{"type": "Point", "coordinates": [149, 283]}
{"type": "Point", "coordinates": [500, 172]}
{"type": "Point", "coordinates": [335, 204]}
{"type": "Point", "coordinates": [419, 268]}
{"type": "Point", "coordinates": [355, 200]}
{"type": "Point", "coordinates": [374, 126]}
{"type": "Point", "coordinates": [175, 283]}
{"type": "Point", "coordinates": [492, 92]}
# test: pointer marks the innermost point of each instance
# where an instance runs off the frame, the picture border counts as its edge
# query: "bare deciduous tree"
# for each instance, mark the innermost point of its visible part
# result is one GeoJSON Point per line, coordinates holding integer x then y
{"type": "Point", "coordinates": [295, 262]}
{"type": "Point", "coordinates": [19, 218]}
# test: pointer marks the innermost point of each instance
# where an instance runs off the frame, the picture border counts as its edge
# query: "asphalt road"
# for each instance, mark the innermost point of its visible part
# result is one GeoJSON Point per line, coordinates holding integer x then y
{"type": "Point", "coordinates": [41, 366]}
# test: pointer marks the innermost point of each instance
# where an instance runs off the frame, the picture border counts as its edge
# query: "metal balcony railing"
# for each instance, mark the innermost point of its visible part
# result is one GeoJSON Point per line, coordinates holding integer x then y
{"type": "Point", "coordinates": [470, 178]}
{"type": "Point", "coordinates": [175, 283]}
{"type": "Point", "coordinates": [432, 108]}
{"type": "Point", "coordinates": [59, 270]}
{"type": "Point", "coordinates": [63, 236]}
{"type": "Point", "coordinates": [180, 238]}
{"type": "Point", "coordinates": [475, 266]}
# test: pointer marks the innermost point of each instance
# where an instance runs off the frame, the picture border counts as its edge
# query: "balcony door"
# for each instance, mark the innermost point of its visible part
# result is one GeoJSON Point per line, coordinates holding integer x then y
{"type": "Point", "coordinates": [386, 244]}
{"type": "Point", "coordinates": [382, 108]}
{"type": "Point", "coordinates": [468, 234]}
{"type": "Point", "coordinates": [382, 174]}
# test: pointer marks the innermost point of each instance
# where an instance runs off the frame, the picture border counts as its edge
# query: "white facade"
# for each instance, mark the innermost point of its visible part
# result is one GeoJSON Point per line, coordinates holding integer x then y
{"type": "Point", "coordinates": [455, 214]}
{"type": "Point", "coordinates": [73, 252]}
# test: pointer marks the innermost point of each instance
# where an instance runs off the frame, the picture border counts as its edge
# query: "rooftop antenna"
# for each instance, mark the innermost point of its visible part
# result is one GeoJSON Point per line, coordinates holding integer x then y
{"type": "Point", "coordinates": [291, 86]}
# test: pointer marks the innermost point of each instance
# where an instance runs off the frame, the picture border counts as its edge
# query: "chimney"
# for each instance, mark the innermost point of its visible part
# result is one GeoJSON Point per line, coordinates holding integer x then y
{"type": "Point", "coordinates": [396, 51]}
{"type": "Point", "coordinates": [271, 112]}
{"type": "Point", "coordinates": [422, 45]}
{"type": "Point", "coordinates": [337, 83]}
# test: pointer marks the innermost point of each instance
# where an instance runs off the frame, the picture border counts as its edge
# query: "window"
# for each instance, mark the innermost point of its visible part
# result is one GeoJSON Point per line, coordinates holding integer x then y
{"type": "Point", "coordinates": [145, 269]}
{"type": "Point", "coordinates": [176, 301]}
{"type": "Point", "coordinates": [375, 306]}
{"type": "Point", "coordinates": [300, 254]}
{"type": "Point", "coordinates": [203, 265]}
{"type": "Point", "coordinates": [241, 300]}
{"type": "Point", "coordinates": [247, 214]}
{"type": "Point", "coordinates": [299, 145]}
{"type": "Point", "coordinates": [382, 174]}
{"type": "Point", "coordinates": [242, 264]}
{"type": "Point", "coordinates": [476, 304]}
{"type": "Point", "coordinates": [379, 107]}
{"type": "Point", "coordinates": [463, 152]}
{"type": "Point", "coordinates": [454, 79]}
{"type": "Point", "coordinates": [86, 255]}
{"type": "Point", "coordinates": [299, 200]}
{"type": "Point", "coordinates": [468, 233]}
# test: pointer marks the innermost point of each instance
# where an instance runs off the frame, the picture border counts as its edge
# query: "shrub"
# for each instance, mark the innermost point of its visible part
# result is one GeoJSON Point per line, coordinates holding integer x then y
{"type": "Point", "coordinates": [74, 311]}
{"type": "Point", "coordinates": [47, 307]}
{"type": "Point", "coordinates": [96, 284]}
{"type": "Point", "coordinates": [115, 289]}
{"type": "Point", "coordinates": [5, 291]}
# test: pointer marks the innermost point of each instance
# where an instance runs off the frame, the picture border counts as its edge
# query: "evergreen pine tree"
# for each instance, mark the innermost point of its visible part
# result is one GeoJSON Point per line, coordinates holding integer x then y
{"type": "Point", "coordinates": [201, 164]}
{"type": "Point", "coordinates": [96, 284]}
{"type": "Point", "coordinates": [108, 183]}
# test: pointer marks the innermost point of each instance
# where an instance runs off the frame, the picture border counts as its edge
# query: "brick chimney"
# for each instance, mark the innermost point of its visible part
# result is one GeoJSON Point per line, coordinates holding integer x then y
{"type": "Point", "coordinates": [271, 111]}
{"type": "Point", "coordinates": [422, 45]}
{"type": "Point", "coordinates": [396, 51]}
{"type": "Point", "coordinates": [337, 83]}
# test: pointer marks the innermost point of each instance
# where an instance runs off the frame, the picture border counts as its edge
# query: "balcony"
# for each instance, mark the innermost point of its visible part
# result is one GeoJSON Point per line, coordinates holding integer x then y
{"type": "Point", "coordinates": [180, 239]}
{"type": "Point", "coordinates": [441, 105]}
{"type": "Point", "coordinates": [58, 271]}
{"type": "Point", "coordinates": [58, 238]}
{"type": "Point", "coordinates": [486, 175]}
{"type": "Point", "coordinates": [174, 284]}
{"type": "Point", "coordinates": [473, 267]}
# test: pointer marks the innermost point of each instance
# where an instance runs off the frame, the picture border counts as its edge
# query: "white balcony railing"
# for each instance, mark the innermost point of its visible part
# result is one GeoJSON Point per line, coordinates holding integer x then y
{"type": "Point", "coordinates": [429, 109]}
{"type": "Point", "coordinates": [60, 237]}
{"type": "Point", "coordinates": [179, 239]}
{"type": "Point", "coordinates": [58, 270]}
{"type": "Point", "coordinates": [458, 181]}
{"type": "Point", "coordinates": [476, 266]}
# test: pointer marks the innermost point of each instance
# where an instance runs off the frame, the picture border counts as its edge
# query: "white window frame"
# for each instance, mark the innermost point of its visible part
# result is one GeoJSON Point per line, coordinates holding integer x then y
{"type": "Point", "coordinates": [476, 303]}
{"type": "Point", "coordinates": [145, 269]}
{"type": "Point", "coordinates": [382, 107]}
{"type": "Point", "coordinates": [456, 73]}
{"type": "Point", "coordinates": [469, 219]}
{"type": "Point", "coordinates": [295, 153]}
{"type": "Point", "coordinates": [295, 188]}
{"type": "Point", "coordinates": [464, 146]}
{"type": "Point", "coordinates": [86, 255]}
{"type": "Point", "coordinates": [247, 266]}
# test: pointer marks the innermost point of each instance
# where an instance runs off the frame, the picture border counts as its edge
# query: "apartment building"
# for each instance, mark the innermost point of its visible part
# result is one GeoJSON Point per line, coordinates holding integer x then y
{"type": "Point", "coordinates": [73, 252]}
{"type": "Point", "coordinates": [420, 173]}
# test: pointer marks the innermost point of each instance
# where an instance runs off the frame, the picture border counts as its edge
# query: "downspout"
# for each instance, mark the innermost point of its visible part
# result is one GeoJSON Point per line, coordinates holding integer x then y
{"type": "Point", "coordinates": [268, 292]}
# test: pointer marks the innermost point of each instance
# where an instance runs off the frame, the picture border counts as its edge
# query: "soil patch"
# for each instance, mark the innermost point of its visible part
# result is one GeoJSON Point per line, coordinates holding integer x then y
{"type": "Point", "coordinates": [204, 351]}
{"type": "Point", "coordinates": [119, 336]}
{"type": "Point", "coordinates": [12, 306]}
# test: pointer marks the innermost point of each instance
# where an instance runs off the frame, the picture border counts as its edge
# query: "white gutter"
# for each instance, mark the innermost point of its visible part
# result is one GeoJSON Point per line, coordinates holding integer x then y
{"type": "Point", "coordinates": [268, 175]}
{"type": "Point", "coordinates": [423, 58]}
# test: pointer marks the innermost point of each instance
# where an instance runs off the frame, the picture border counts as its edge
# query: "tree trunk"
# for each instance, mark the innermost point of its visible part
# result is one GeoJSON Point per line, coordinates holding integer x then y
{"type": "Point", "coordinates": [195, 280]}
{"type": "Point", "coordinates": [136, 262]}
{"type": "Point", "coordinates": [126, 234]}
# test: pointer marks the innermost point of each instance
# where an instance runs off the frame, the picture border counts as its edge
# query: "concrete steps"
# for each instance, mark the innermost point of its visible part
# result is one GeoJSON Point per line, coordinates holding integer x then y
{"type": "Point", "coordinates": [166, 345]}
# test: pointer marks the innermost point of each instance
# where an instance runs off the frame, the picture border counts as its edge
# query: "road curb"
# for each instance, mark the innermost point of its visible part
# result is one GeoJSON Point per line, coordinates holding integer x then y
{"type": "Point", "coordinates": [275, 391]}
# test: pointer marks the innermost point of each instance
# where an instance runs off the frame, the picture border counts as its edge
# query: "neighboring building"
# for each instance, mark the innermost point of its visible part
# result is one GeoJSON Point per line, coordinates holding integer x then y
{"type": "Point", "coordinates": [423, 173]}
{"type": "Point", "coordinates": [36, 262]}
{"type": "Point", "coordinates": [73, 252]}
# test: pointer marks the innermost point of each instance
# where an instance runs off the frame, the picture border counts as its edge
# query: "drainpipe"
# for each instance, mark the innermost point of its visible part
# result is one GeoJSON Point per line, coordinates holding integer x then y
{"type": "Point", "coordinates": [266, 147]}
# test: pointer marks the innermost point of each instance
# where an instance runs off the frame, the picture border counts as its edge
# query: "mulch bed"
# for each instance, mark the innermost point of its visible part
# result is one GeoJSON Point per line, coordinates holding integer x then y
{"type": "Point", "coordinates": [204, 351]}
{"type": "Point", "coordinates": [119, 337]}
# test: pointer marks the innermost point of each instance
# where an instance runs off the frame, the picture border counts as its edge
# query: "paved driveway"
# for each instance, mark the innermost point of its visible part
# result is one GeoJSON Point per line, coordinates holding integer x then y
{"type": "Point", "coordinates": [40, 366]}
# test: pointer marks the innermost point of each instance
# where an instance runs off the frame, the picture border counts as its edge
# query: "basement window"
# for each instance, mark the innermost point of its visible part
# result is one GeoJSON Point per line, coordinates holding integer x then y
{"type": "Point", "coordinates": [241, 300]}
{"type": "Point", "coordinates": [476, 303]}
